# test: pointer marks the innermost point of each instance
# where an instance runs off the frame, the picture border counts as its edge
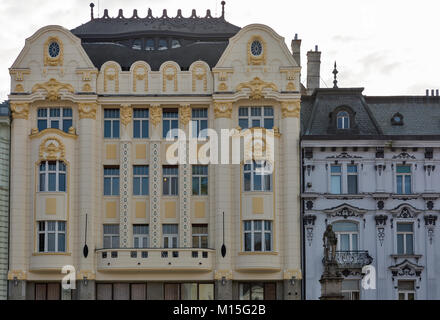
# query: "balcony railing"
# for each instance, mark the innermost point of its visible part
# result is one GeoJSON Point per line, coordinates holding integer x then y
{"type": "Point", "coordinates": [157, 259]}
{"type": "Point", "coordinates": [353, 259]}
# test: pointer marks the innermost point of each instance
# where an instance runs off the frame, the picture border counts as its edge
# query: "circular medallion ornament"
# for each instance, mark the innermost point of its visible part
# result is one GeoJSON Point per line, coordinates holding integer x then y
{"type": "Point", "coordinates": [54, 49]}
{"type": "Point", "coordinates": [256, 48]}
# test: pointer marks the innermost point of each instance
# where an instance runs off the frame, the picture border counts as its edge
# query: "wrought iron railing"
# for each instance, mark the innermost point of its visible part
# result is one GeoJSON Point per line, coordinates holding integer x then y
{"type": "Point", "coordinates": [353, 259]}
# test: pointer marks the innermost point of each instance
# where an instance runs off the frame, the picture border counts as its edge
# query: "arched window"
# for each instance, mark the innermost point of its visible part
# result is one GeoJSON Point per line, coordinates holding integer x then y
{"type": "Point", "coordinates": [343, 120]}
{"type": "Point", "coordinates": [52, 176]}
{"type": "Point", "coordinates": [348, 235]}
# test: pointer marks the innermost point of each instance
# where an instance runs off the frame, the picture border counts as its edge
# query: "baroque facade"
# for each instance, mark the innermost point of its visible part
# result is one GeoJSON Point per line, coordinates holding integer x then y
{"type": "Point", "coordinates": [91, 185]}
{"type": "Point", "coordinates": [4, 197]}
{"type": "Point", "coordinates": [370, 169]}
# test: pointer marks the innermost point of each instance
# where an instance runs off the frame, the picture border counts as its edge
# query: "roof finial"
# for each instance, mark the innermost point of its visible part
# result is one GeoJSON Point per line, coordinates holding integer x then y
{"type": "Point", "coordinates": [91, 10]}
{"type": "Point", "coordinates": [335, 81]}
{"type": "Point", "coordinates": [223, 8]}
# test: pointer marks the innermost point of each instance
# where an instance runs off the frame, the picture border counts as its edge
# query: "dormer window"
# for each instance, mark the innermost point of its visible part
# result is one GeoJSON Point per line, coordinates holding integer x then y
{"type": "Point", "coordinates": [137, 44]}
{"type": "Point", "coordinates": [397, 120]}
{"type": "Point", "coordinates": [175, 44]}
{"type": "Point", "coordinates": [149, 45]}
{"type": "Point", "coordinates": [343, 120]}
{"type": "Point", "coordinates": [163, 44]}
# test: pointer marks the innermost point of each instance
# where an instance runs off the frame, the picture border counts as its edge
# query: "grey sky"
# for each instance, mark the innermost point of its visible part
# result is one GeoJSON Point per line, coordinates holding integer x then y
{"type": "Point", "coordinates": [389, 47]}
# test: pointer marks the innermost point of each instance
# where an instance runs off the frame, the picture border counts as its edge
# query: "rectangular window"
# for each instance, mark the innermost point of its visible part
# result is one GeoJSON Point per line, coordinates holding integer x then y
{"type": "Point", "coordinates": [47, 291]}
{"type": "Point", "coordinates": [197, 291]}
{"type": "Point", "coordinates": [257, 235]}
{"type": "Point", "coordinates": [405, 238]}
{"type": "Point", "coordinates": [199, 122]}
{"type": "Point", "coordinates": [52, 176]}
{"type": "Point", "coordinates": [256, 117]}
{"type": "Point", "coordinates": [170, 180]}
{"type": "Point", "coordinates": [111, 181]}
{"type": "Point", "coordinates": [403, 179]}
{"type": "Point", "coordinates": [352, 179]}
{"type": "Point", "coordinates": [335, 179]}
{"type": "Point", "coordinates": [111, 236]}
{"type": "Point", "coordinates": [406, 290]}
{"type": "Point", "coordinates": [170, 233]}
{"type": "Point", "coordinates": [170, 121]}
{"type": "Point", "coordinates": [57, 118]}
{"type": "Point", "coordinates": [140, 123]}
{"type": "Point", "coordinates": [257, 291]}
{"type": "Point", "coordinates": [350, 289]}
{"type": "Point", "coordinates": [200, 236]}
{"type": "Point", "coordinates": [257, 176]}
{"type": "Point", "coordinates": [200, 180]}
{"type": "Point", "coordinates": [111, 123]}
{"type": "Point", "coordinates": [140, 180]}
{"type": "Point", "coordinates": [51, 236]}
{"type": "Point", "coordinates": [140, 236]}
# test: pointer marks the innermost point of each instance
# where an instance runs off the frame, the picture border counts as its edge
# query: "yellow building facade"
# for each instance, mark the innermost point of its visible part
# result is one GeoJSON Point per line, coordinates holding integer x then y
{"type": "Point", "coordinates": [91, 187]}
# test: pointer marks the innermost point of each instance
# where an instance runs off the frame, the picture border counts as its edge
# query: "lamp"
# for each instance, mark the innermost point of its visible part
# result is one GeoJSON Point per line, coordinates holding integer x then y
{"type": "Point", "coordinates": [223, 280]}
{"type": "Point", "coordinates": [292, 280]}
{"type": "Point", "coordinates": [15, 281]}
{"type": "Point", "coordinates": [85, 281]}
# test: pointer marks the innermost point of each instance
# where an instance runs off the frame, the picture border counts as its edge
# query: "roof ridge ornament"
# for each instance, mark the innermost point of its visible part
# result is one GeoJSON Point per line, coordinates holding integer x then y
{"type": "Point", "coordinates": [135, 14]}
{"type": "Point", "coordinates": [165, 14]}
{"type": "Point", "coordinates": [106, 14]}
{"type": "Point", "coordinates": [223, 9]}
{"type": "Point", "coordinates": [193, 14]}
{"type": "Point", "coordinates": [120, 14]}
{"type": "Point", "coordinates": [335, 81]}
{"type": "Point", "coordinates": [150, 14]}
{"type": "Point", "coordinates": [92, 5]}
{"type": "Point", "coordinates": [179, 13]}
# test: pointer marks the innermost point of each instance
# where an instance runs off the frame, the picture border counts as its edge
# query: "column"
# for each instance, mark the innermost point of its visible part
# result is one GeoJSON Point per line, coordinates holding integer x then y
{"type": "Point", "coordinates": [155, 176]}
{"type": "Point", "coordinates": [185, 181]}
{"type": "Point", "coordinates": [291, 233]}
{"type": "Point", "coordinates": [20, 216]}
{"type": "Point", "coordinates": [223, 187]}
{"type": "Point", "coordinates": [88, 183]}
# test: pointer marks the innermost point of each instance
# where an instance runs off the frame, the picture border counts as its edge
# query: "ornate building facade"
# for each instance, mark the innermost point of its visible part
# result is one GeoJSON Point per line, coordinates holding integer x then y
{"type": "Point", "coordinates": [91, 185]}
{"type": "Point", "coordinates": [4, 197]}
{"type": "Point", "coordinates": [370, 168]}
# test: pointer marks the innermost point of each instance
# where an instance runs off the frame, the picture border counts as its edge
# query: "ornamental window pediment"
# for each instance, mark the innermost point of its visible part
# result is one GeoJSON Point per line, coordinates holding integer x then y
{"type": "Point", "coordinates": [405, 211]}
{"type": "Point", "coordinates": [406, 269]}
{"type": "Point", "coordinates": [52, 149]}
{"type": "Point", "coordinates": [345, 211]}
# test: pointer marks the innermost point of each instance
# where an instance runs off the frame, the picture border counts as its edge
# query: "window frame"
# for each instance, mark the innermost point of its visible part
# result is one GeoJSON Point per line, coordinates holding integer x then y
{"type": "Point", "coordinates": [113, 118]}
{"type": "Point", "coordinates": [197, 119]}
{"type": "Point", "coordinates": [199, 176]}
{"type": "Point", "coordinates": [46, 232]}
{"type": "Point", "coordinates": [404, 235]}
{"type": "Point", "coordinates": [141, 178]}
{"type": "Point", "coordinates": [173, 121]}
{"type": "Point", "coordinates": [200, 236]}
{"type": "Point", "coordinates": [406, 292]}
{"type": "Point", "coordinates": [263, 231]}
{"type": "Point", "coordinates": [345, 117]}
{"type": "Point", "coordinates": [335, 174]}
{"type": "Point", "coordinates": [141, 119]}
{"type": "Point", "coordinates": [112, 236]}
{"type": "Point", "coordinates": [141, 237]}
{"type": "Point", "coordinates": [251, 118]}
{"type": "Point", "coordinates": [170, 236]}
{"type": "Point", "coordinates": [58, 174]}
{"type": "Point", "coordinates": [350, 234]}
{"type": "Point", "coordinates": [49, 118]}
{"type": "Point", "coordinates": [252, 171]}
{"type": "Point", "coordinates": [172, 177]}
{"type": "Point", "coordinates": [356, 174]}
{"type": "Point", "coordinates": [403, 176]}
{"type": "Point", "coordinates": [111, 177]}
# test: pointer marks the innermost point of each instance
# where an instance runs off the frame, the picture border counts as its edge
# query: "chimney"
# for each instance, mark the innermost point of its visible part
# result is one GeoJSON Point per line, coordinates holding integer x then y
{"type": "Point", "coordinates": [313, 70]}
{"type": "Point", "coordinates": [296, 49]}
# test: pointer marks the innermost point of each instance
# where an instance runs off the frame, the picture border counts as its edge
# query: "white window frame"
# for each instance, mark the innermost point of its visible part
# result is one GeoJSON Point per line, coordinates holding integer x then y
{"type": "Point", "coordinates": [404, 233]}
{"type": "Point", "coordinates": [110, 236]}
{"type": "Point", "coordinates": [253, 171]}
{"type": "Point", "coordinates": [200, 236]}
{"type": "Point", "coordinates": [403, 178]}
{"type": "Point", "coordinates": [140, 237]}
{"type": "Point", "coordinates": [170, 177]}
{"type": "Point", "coordinates": [345, 115]}
{"type": "Point", "coordinates": [112, 120]}
{"type": "Point", "coordinates": [353, 174]}
{"type": "Point", "coordinates": [111, 177]}
{"type": "Point", "coordinates": [340, 174]}
{"type": "Point", "coordinates": [263, 232]}
{"type": "Point", "coordinates": [59, 118]}
{"type": "Point", "coordinates": [196, 120]}
{"type": "Point", "coordinates": [170, 237]}
{"type": "Point", "coordinates": [140, 177]}
{"type": "Point", "coordinates": [46, 233]}
{"type": "Point", "coordinates": [406, 292]}
{"type": "Point", "coordinates": [141, 120]}
{"type": "Point", "coordinates": [169, 119]}
{"type": "Point", "coordinates": [351, 292]}
{"type": "Point", "coordinates": [250, 118]}
{"type": "Point", "coordinates": [46, 173]}
{"type": "Point", "coordinates": [199, 178]}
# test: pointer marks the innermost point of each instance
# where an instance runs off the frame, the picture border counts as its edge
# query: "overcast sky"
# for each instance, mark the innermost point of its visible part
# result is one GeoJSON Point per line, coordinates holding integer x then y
{"type": "Point", "coordinates": [389, 47]}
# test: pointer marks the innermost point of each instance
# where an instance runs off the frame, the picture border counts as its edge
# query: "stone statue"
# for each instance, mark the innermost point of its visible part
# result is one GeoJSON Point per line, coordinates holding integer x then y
{"type": "Point", "coordinates": [330, 242]}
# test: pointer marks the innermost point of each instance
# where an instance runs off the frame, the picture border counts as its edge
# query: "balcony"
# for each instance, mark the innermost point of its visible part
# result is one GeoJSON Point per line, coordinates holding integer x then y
{"type": "Point", "coordinates": [176, 259]}
{"type": "Point", "coordinates": [353, 259]}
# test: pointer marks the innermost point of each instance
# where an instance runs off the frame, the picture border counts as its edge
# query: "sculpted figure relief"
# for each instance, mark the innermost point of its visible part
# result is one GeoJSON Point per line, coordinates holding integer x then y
{"type": "Point", "coordinates": [330, 242]}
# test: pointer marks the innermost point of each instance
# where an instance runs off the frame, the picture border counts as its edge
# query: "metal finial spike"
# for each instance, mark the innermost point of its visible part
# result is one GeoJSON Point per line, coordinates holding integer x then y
{"type": "Point", "coordinates": [223, 8]}
{"type": "Point", "coordinates": [335, 81]}
{"type": "Point", "coordinates": [91, 10]}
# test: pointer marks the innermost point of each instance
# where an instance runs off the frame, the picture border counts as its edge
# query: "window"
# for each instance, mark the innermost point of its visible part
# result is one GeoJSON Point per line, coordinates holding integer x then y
{"type": "Point", "coordinates": [140, 236]}
{"type": "Point", "coordinates": [163, 44]}
{"type": "Point", "coordinates": [111, 123]}
{"type": "Point", "coordinates": [200, 180]}
{"type": "Point", "coordinates": [406, 290]}
{"type": "Point", "coordinates": [258, 235]}
{"type": "Point", "coordinates": [199, 122]}
{"type": "Point", "coordinates": [170, 180]}
{"type": "Point", "coordinates": [350, 289]}
{"type": "Point", "coordinates": [170, 121]}
{"type": "Point", "coordinates": [51, 236]}
{"type": "Point", "coordinates": [170, 234]}
{"type": "Point", "coordinates": [256, 48]}
{"type": "Point", "coordinates": [405, 238]}
{"type": "Point", "coordinates": [348, 236]}
{"type": "Point", "coordinates": [140, 123]}
{"type": "Point", "coordinates": [200, 236]}
{"type": "Point", "coordinates": [343, 120]}
{"type": "Point", "coordinates": [140, 180]}
{"type": "Point", "coordinates": [47, 291]}
{"type": "Point", "coordinates": [257, 176]}
{"type": "Point", "coordinates": [57, 118]}
{"type": "Point", "coordinates": [54, 49]}
{"type": "Point", "coordinates": [111, 236]}
{"type": "Point", "coordinates": [258, 291]}
{"type": "Point", "coordinates": [52, 176]}
{"type": "Point", "coordinates": [111, 181]}
{"type": "Point", "coordinates": [335, 179]}
{"type": "Point", "coordinates": [149, 45]}
{"type": "Point", "coordinates": [197, 291]}
{"type": "Point", "coordinates": [137, 44]}
{"type": "Point", "coordinates": [403, 179]}
{"type": "Point", "coordinates": [352, 179]}
{"type": "Point", "coordinates": [252, 117]}
{"type": "Point", "coordinates": [175, 44]}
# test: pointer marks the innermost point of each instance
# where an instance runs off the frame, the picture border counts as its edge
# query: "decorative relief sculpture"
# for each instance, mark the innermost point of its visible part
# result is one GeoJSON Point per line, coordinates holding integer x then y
{"type": "Point", "coordinates": [257, 86]}
{"type": "Point", "coordinates": [87, 110]}
{"type": "Point", "coordinates": [52, 88]}
{"type": "Point", "coordinates": [223, 109]}
{"type": "Point", "coordinates": [155, 114]}
{"type": "Point", "coordinates": [290, 109]}
{"type": "Point", "coordinates": [20, 110]}
{"type": "Point", "coordinates": [126, 114]}
{"type": "Point", "coordinates": [52, 149]}
{"type": "Point", "coordinates": [185, 114]}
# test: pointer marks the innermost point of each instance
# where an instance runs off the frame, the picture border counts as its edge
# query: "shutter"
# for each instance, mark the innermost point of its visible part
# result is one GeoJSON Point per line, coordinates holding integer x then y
{"type": "Point", "coordinates": [40, 291]}
{"type": "Point", "coordinates": [270, 291]}
{"type": "Point", "coordinates": [139, 291]}
{"type": "Point", "coordinates": [171, 291]}
{"type": "Point", "coordinates": [53, 291]}
{"type": "Point", "coordinates": [121, 291]}
{"type": "Point", "coordinates": [104, 291]}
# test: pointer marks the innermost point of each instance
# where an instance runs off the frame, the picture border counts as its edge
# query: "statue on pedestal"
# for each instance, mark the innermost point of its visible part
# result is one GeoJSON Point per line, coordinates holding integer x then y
{"type": "Point", "coordinates": [330, 242]}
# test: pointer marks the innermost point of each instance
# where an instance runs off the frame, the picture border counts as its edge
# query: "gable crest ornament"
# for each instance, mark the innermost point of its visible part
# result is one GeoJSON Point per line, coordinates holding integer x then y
{"type": "Point", "coordinates": [52, 88]}
{"type": "Point", "coordinates": [256, 87]}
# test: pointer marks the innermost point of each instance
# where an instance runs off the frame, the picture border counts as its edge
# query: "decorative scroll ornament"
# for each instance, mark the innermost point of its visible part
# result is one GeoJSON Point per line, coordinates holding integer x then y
{"type": "Point", "coordinates": [185, 114]}
{"type": "Point", "coordinates": [381, 235]}
{"type": "Point", "coordinates": [199, 73]}
{"type": "Point", "coordinates": [87, 110]}
{"type": "Point", "coordinates": [20, 110]}
{"type": "Point", "coordinates": [290, 109]}
{"type": "Point", "coordinates": [140, 73]}
{"type": "Point", "coordinates": [111, 74]}
{"type": "Point", "coordinates": [155, 114]}
{"type": "Point", "coordinates": [222, 110]}
{"type": "Point", "coordinates": [257, 86]}
{"type": "Point", "coordinates": [126, 114]}
{"type": "Point", "coordinates": [52, 149]}
{"type": "Point", "coordinates": [406, 269]}
{"type": "Point", "coordinates": [169, 73]}
{"type": "Point", "coordinates": [53, 87]}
